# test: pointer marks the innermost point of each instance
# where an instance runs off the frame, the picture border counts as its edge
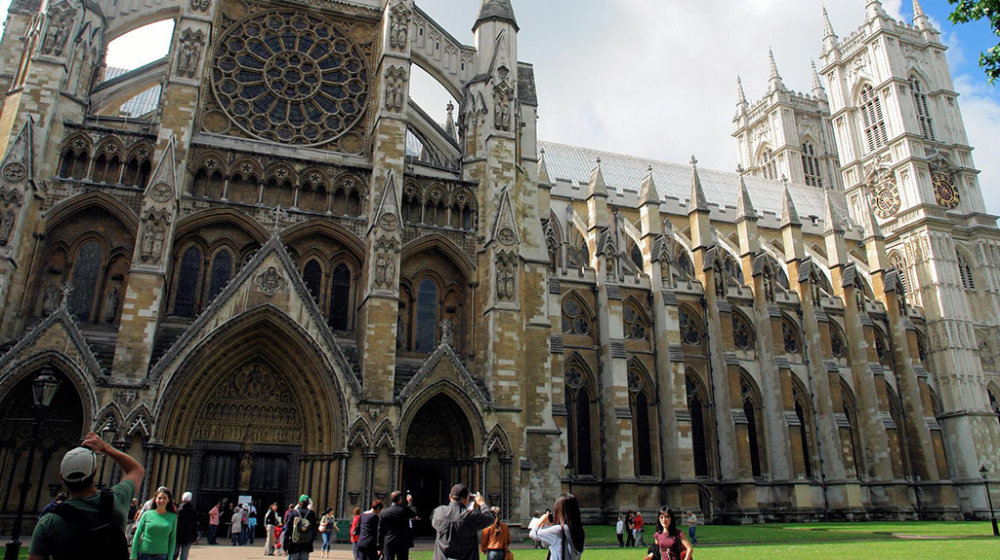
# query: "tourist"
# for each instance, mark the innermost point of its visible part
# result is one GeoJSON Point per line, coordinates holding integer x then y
{"type": "Point", "coordinates": [213, 522]}
{"type": "Point", "coordinates": [133, 510]}
{"type": "Point", "coordinates": [629, 525]}
{"type": "Point", "coordinates": [58, 534]}
{"type": "Point", "coordinates": [236, 529]}
{"type": "Point", "coordinates": [565, 536]}
{"type": "Point", "coordinates": [60, 498]}
{"type": "Point", "coordinates": [669, 542]}
{"type": "Point", "coordinates": [639, 525]}
{"type": "Point", "coordinates": [692, 523]}
{"type": "Point", "coordinates": [536, 519]}
{"type": "Point", "coordinates": [395, 538]}
{"type": "Point", "coordinates": [620, 531]}
{"type": "Point", "coordinates": [285, 528]}
{"type": "Point", "coordinates": [457, 525]}
{"type": "Point", "coordinates": [495, 542]}
{"type": "Point", "coordinates": [156, 532]}
{"type": "Point", "coordinates": [328, 530]}
{"type": "Point", "coordinates": [300, 530]}
{"type": "Point", "coordinates": [187, 526]}
{"type": "Point", "coordinates": [271, 521]}
{"type": "Point", "coordinates": [368, 531]}
{"type": "Point", "coordinates": [356, 533]}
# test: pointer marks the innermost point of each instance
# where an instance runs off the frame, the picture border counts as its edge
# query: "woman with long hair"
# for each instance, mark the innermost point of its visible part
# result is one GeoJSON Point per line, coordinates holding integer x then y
{"type": "Point", "coordinates": [565, 536]}
{"type": "Point", "coordinates": [327, 528]}
{"type": "Point", "coordinates": [356, 533]}
{"type": "Point", "coordinates": [669, 542]}
{"type": "Point", "coordinates": [156, 533]}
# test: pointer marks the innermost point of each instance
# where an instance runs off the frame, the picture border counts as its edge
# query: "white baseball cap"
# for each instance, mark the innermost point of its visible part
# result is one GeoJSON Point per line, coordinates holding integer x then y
{"type": "Point", "coordinates": [77, 464]}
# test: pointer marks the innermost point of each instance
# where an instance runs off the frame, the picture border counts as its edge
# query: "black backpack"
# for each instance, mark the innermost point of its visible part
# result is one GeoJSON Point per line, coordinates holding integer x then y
{"type": "Point", "coordinates": [104, 540]}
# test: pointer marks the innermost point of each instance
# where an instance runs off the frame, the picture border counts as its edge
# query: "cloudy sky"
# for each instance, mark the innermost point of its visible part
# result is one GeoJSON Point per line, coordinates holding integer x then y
{"type": "Point", "coordinates": [657, 78]}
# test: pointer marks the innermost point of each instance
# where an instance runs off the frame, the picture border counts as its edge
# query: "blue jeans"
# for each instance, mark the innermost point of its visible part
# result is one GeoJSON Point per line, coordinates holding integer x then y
{"type": "Point", "coordinates": [211, 533]}
{"type": "Point", "coordinates": [182, 551]}
{"type": "Point", "coordinates": [496, 554]}
{"type": "Point", "coordinates": [691, 534]}
{"type": "Point", "coordinates": [298, 556]}
{"type": "Point", "coordinates": [356, 551]}
{"type": "Point", "coordinates": [326, 541]}
{"type": "Point", "coordinates": [152, 557]}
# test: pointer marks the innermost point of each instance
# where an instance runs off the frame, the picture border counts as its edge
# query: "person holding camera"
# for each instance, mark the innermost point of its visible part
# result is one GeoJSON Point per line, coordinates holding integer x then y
{"type": "Point", "coordinates": [394, 535]}
{"type": "Point", "coordinates": [458, 524]}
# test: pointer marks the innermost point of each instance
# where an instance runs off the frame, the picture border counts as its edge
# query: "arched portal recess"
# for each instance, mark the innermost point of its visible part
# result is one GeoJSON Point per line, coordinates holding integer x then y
{"type": "Point", "coordinates": [440, 445]}
{"type": "Point", "coordinates": [62, 428]}
{"type": "Point", "coordinates": [260, 414]}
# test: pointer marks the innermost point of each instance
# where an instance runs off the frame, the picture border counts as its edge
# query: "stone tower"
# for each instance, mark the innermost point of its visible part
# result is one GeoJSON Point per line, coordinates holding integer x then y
{"type": "Point", "coordinates": [904, 152]}
{"type": "Point", "coordinates": [787, 133]}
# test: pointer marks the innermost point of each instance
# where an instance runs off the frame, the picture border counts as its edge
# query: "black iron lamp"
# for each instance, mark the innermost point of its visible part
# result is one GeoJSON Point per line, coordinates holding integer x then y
{"type": "Point", "coordinates": [989, 499]}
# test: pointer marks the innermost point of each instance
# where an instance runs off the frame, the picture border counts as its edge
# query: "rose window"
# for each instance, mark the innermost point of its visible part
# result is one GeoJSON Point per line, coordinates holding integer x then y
{"type": "Point", "coordinates": [290, 77]}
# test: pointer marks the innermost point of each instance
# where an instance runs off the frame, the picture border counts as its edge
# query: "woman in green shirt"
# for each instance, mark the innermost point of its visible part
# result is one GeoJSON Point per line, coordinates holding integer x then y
{"type": "Point", "coordinates": [156, 533]}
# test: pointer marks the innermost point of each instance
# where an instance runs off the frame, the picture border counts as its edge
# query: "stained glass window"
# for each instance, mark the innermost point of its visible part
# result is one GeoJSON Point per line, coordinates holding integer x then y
{"type": "Point", "coordinates": [222, 270]}
{"type": "Point", "coordinates": [187, 282]}
{"type": "Point", "coordinates": [340, 298]}
{"type": "Point", "coordinates": [427, 303]}
{"type": "Point", "coordinates": [86, 273]}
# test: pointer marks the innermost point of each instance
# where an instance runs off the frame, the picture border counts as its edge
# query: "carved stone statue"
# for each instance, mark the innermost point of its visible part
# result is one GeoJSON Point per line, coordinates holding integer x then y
{"type": "Point", "coordinates": [246, 468]}
{"type": "Point", "coordinates": [380, 270]}
{"type": "Point", "coordinates": [399, 28]}
{"type": "Point", "coordinates": [6, 226]}
{"type": "Point", "coordinates": [158, 237]}
{"type": "Point", "coordinates": [395, 89]}
{"type": "Point", "coordinates": [58, 31]}
{"type": "Point", "coordinates": [111, 305]}
{"type": "Point", "coordinates": [189, 53]}
{"type": "Point", "coordinates": [447, 332]}
{"type": "Point", "coordinates": [50, 298]}
{"type": "Point", "coordinates": [146, 251]}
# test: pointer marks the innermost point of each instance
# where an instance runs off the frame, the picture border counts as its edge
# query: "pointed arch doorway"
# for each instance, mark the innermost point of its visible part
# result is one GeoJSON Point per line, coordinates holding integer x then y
{"type": "Point", "coordinates": [440, 446]}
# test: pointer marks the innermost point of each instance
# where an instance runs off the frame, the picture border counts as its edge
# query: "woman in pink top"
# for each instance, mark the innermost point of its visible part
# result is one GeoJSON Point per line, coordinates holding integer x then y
{"type": "Point", "coordinates": [213, 523]}
{"type": "Point", "coordinates": [670, 543]}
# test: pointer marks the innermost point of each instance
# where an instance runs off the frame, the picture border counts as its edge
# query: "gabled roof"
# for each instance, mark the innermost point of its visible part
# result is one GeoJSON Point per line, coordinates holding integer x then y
{"type": "Point", "coordinates": [625, 173]}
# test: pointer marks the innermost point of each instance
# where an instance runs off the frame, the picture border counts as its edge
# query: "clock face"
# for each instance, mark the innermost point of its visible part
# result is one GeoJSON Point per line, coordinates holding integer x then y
{"type": "Point", "coordinates": [884, 194]}
{"type": "Point", "coordinates": [945, 192]}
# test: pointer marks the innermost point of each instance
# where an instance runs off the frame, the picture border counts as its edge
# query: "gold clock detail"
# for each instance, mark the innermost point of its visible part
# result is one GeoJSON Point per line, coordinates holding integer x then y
{"type": "Point", "coordinates": [945, 192]}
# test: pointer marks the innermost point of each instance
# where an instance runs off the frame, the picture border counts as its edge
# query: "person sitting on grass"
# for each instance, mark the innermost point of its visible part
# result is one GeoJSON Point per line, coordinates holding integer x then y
{"type": "Point", "coordinates": [669, 542]}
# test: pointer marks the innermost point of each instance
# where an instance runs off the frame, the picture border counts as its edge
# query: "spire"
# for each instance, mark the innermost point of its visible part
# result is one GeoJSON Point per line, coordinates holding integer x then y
{"type": "Point", "coordinates": [829, 37]}
{"type": "Point", "coordinates": [741, 98]}
{"type": "Point", "coordinates": [817, 87]}
{"type": "Point", "coordinates": [789, 215]}
{"type": "Point", "coordinates": [920, 19]}
{"type": "Point", "coordinates": [872, 229]}
{"type": "Point", "coordinates": [597, 186]}
{"type": "Point", "coordinates": [744, 206]}
{"type": "Point", "coordinates": [543, 169]}
{"type": "Point", "coordinates": [496, 9]}
{"type": "Point", "coordinates": [874, 9]}
{"type": "Point", "coordinates": [774, 82]}
{"type": "Point", "coordinates": [832, 218]}
{"type": "Point", "coordinates": [697, 201]}
{"type": "Point", "coordinates": [647, 192]}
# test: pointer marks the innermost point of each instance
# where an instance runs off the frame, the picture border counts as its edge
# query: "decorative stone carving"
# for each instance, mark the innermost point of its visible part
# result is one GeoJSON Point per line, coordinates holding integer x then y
{"type": "Point", "coordinates": [7, 218]}
{"type": "Point", "coordinates": [111, 305]}
{"type": "Point", "coordinates": [399, 27]}
{"type": "Point", "coordinates": [60, 20]}
{"type": "Point", "coordinates": [395, 88]}
{"type": "Point", "coordinates": [189, 50]}
{"type": "Point", "coordinates": [506, 236]}
{"type": "Point", "coordinates": [502, 95]}
{"type": "Point", "coordinates": [154, 235]}
{"type": "Point", "coordinates": [50, 298]}
{"type": "Point", "coordinates": [161, 192]}
{"type": "Point", "coordinates": [447, 332]}
{"type": "Point", "coordinates": [271, 282]}
{"type": "Point", "coordinates": [200, 5]}
{"type": "Point", "coordinates": [14, 172]}
{"type": "Point", "coordinates": [385, 263]}
{"type": "Point", "coordinates": [250, 405]}
{"type": "Point", "coordinates": [506, 269]}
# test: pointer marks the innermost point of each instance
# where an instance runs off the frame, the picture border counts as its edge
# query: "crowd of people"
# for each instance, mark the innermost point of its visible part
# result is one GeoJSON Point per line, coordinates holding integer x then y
{"type": "Point", "coordinates": [108, 524]}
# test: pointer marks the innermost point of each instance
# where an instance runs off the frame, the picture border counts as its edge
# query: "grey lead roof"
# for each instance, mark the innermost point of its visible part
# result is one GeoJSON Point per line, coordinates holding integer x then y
{"type": "Point", "coordinates": [574, 164]}
{"type": "Point", "coordinates": [497, 9]}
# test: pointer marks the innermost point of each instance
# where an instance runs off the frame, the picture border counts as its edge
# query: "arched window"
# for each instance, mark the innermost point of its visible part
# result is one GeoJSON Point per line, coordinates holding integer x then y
{"type": "Point", "coordinates": [871, 118]}
{"type": "Point", "coordinates": [994, 404]}
{"type": "Point", "coordinates": [743, 335]}
{"type": "Point", "coordinates": [801, 406]}
{"type": "Point", "coordinates": [790, 336]}
{"type": "Point", "coordinates": [768, 167]}
{"type": "Point", "coordinates": [849, 431]}
{"type": "Point", "coordinates": [106, 169]}
{"type": "Point", "coordinates": [222, 271]}
{"type": "Point", "coordinates": [340, 298]}
{"type": "Point", "coordinates": [86, 274]}
{"type": "Point", "coordinates": [574, 318]}
{"type": "Point", "coordinates": [578, 420]}
{"type": "Point", "coordinates": [965, 271]}
{"type": "Point", "coordinates": [635, 323]}
{"type": "Point", "coordinates": [312, 277]}
{"type": "Point", "coordinates": [636, 256]}
{"type": "Point", "coordinates": [697, 403]}
{"type": "Point", "coordinates": [187, 283]}
{"type": "Point", "coordinates": [754, 431]}
{"type": "Point", "coordinates": [137, 172]}
{"type": "Point", "coordinates": [641, 429]}
{"type": "Point", "coordinates": [425, 334]}
{"type": "Point", "coordinates": [923, 112]}
{"type": "Point", "coordinates": [810, 165]}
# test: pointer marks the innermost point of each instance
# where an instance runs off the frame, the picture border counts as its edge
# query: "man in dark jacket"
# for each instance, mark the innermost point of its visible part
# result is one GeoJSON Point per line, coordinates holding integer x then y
{"type": "Point", "coordinates": [394, 538]}
{"type": "Point", "coordinates": [299, 548]}
{"type": "Point", "coordinates": [458, 526]}
{"type": "Point", "coordinates": [187, 526]}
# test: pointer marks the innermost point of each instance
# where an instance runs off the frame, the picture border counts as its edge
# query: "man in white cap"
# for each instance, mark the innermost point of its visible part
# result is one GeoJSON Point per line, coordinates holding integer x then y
{"type": "Point", "coordinates": [187, 527]}
{"type": "Point", "coordinates": [91, 523]}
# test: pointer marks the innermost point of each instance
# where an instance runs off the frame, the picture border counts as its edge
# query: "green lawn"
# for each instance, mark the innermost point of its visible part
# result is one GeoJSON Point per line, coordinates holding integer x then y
{"type": "Point", "coordinates": [802, 541]}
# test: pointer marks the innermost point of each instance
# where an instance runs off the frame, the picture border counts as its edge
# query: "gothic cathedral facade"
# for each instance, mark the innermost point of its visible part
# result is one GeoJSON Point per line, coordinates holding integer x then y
{"type": "Point", "coordinates": [287, 277]}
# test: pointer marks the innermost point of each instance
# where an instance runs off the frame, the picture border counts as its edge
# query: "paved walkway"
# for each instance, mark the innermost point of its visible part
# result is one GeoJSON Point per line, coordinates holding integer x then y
{"type": "Point", "coordinates": [256, 552]}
